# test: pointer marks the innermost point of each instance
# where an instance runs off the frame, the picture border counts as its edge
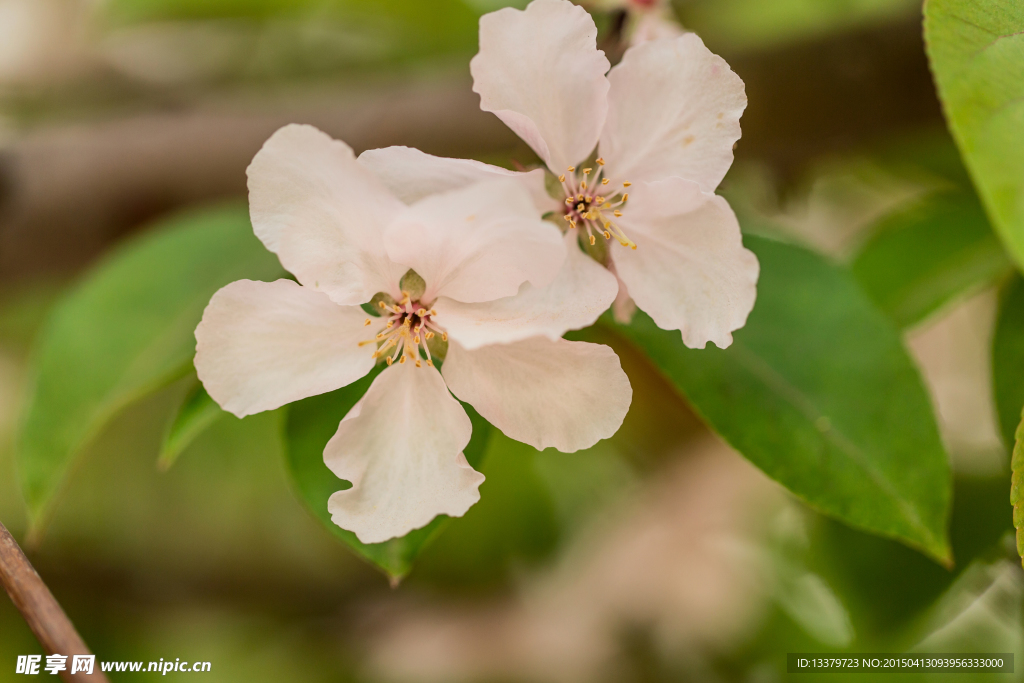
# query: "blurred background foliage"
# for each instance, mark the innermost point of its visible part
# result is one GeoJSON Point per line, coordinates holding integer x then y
{"type": "Point", "coordinates": [659, 555]}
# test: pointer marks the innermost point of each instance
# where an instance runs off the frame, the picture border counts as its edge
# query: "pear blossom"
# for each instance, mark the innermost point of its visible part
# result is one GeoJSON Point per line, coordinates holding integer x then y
{"type": "Point", "coordinates": [471, 273]}
{"type": "Point", "coordinates": [664, 122]}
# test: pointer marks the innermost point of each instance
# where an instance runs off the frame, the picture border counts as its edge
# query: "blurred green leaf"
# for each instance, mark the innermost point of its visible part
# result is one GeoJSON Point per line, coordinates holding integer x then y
{"type": "Point", "coordinates": [926, 255]}
{"type": "Point", "coordinates": [196, 412]}
{"type": "Point", "coordinates": [751, 24]}
{"type": "Point", "coordinates": [1008, 360]}
{"type": "Point", "coordinates": [818, 391]}
{"type": "Point", "coordinates": [310, 425]}
{"type": "Point", "coordinates": [298, 37]}
{"type": "Point", "coordinates": [1017, 486]}
{"type": "Point", "coordinates": [584, 483]}
{"type": "Point", "coordinates": [885, 585]}
{"type": "Point", "coordinates": [976, 49]}
{"type": "Point", "coordinates": [125, 331]}
{"type": "Point", "coordinates": [515, 525]}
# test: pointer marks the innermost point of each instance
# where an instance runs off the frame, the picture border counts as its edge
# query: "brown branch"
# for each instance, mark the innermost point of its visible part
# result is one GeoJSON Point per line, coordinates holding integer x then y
{"type": "Point", "coordinates": [44, 615]}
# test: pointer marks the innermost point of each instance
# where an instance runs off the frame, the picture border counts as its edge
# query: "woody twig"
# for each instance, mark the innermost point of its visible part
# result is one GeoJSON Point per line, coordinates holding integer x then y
{"type": "Point", "coordinates": [40, 609]}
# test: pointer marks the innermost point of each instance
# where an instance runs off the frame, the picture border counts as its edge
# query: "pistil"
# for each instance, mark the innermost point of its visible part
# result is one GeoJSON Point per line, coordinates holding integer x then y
{"type": "Point", "coordinates": [409, 327]}
{"type": "Point", "coordinates": [589, 200]}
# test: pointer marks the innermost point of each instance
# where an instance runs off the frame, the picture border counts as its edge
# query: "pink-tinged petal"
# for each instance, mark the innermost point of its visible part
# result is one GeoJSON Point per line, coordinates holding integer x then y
{"type": "Point", "coordinates": [261, 345]}
{"type": "Point", "coordinates": [540, 72]}
{"type": "Point", "coordinates": [561, 394]}
{"type": "Point", "coordinates": [582, 291]}
{"type": "Point", "coordinates": [323, 214]}
{"type": "Point", "coordinates": [412, 175]}
{"type": "Point", "coordinates": [401, 447]}
{"type": "Point", "coordinates": [674, 110]}
{"type": "Point", "coordinates": [477, 243]}
{"type": "Point", "coordinates": [690, 271]}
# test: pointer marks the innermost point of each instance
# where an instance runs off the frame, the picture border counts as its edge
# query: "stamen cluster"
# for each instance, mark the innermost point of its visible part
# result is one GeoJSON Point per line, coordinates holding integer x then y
{"type": "Point", "coordinates": [408, 329]}
{"type": "Point", "coordinates": [588, 201]}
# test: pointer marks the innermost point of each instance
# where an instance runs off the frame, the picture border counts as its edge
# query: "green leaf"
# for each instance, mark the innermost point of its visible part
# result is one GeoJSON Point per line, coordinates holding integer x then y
{"type": "Point", "coordinates": [310, 425]}
{"type": "Point", "coordinates": [1008, 359]}
{"type": "Point", "coordinates": [1017, 486]}
{"type": "Point", "coordinates": [126, 330]}
{"type": "Point", "coordinates": [976, 49]}
{"type": "Point", "coordinates": [818, 391]}
{"type": "Point", "coordinates": [929, 254]}
{"type": "Point", "coordinates": [195, 414]}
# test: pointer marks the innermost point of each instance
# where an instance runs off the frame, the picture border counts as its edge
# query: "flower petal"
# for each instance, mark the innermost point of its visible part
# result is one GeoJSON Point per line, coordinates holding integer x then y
{"type": "Point", "coordinates": [323, 214]}
{"type": "Point", "coordinates": [477, 243]}
{"type": "Point", "coordinates": [562, 394]}
{"type": "Point", "coordinates": [401, 447]}
{"type": "Point", "coordinates": [261, 345]}
{"type": "Point", "coordinates": [413, 175]}
{"type": "Point", "coordinates": [582, 291]}
{"type": "Point", "coordinates": [690, 271]}
{"type": "Point", "coordinates": [674, 110]}
{"type": "Point", "coordinates": [540, 72]}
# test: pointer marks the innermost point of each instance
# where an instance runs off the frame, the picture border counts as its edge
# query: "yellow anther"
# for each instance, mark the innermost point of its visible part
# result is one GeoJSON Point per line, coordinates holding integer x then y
{"type": "Point", "coordinates": [572, 169]}
{"type": "Point", "coordinates": [625, 197]}
{"type": "Point", "coordinates": [607, 235]}
{"type": "Point", "coordinates": [390, 360]}
{"type": "Point", "coordinates": [368, 341]}
{"type": "Point", "coordinates": [580, 206]}
{"type": "Point", "coordinates": [421, 312]}
{"type": "Point", "coordinates": [587, 171]}
{"type": "Point", "coordinates": [618, 214]}
{"type": "Point", "coordinates": [418, 364]}
{"type": "Point", "coordinates": [569, 200]}
{"type": "Point", "coordinates": [604, 181]}
{"type": "Point", "coordinates": [633, 245]}
{"type": "Point", "coordinates": [433, 312]}
{"type": "Point", "coordinates": [402, 359]}
{"type": "Point", "coordinates": [382, 305]}
{"type": "Point", "coordinates": [416, 339]}
{"type": "Point", "coordinates": [561, 178]}
{"type": "Point", "coordinates": [600, 161]}
{"type": "Point", "coordinates": [390, 324]}
{"type": "Point", "coordinates": [626, 184]}
{"type": "Point", "coordinates": [572, 223]}
{"type": "Point", "coordinates": [429, 335]}
{"type": "Point", "coordinates": [366, 323]}
{"type": "Point", "coordinates": [583, 184]}
{"type": "Point", "coordinates": [579, 198]}
{"type": "Point", "coordinates": [397, 309]}
{"type": "Point", "coordinates": [444, 336]}
{"type": "Point", "coordinates": [407, 323]}
{"type": "Point", "coordinates": [430, 362]}
{"type": "Point", "coordinates": [567, 217]}
{"type": "Point", "coordinates": [592, 241]}
{"type": "Point", "coordinates": [599, 201]}
{"type": "Point", "coordinates": [379, 335]}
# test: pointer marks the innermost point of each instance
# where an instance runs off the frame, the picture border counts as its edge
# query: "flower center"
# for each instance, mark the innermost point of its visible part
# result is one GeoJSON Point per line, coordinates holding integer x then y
{"type": "Point", "coordinates": [409, 327]}
{"type": "Point", "coordinates": [592, 204]}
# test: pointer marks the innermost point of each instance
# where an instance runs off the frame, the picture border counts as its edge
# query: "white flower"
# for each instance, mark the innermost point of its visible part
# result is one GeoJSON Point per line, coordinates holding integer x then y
{"type": "Point", "coordinates": [664, 122]}
{"type": "Point", "coordinates": [497, 284]}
